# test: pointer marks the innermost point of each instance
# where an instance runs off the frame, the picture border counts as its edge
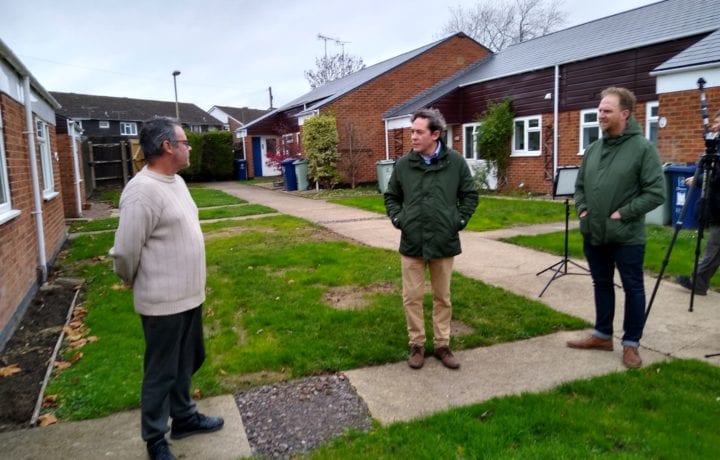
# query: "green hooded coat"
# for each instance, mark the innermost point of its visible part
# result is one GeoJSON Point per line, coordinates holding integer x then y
{"type": "Point", "coordinates": [431, 203]}
{"type": "Point", "coordinates": [621, 173]}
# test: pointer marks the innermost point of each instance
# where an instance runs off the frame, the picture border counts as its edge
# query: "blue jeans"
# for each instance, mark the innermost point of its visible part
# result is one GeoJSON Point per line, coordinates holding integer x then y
{"type": "Point", "coordinates": [629, 262]}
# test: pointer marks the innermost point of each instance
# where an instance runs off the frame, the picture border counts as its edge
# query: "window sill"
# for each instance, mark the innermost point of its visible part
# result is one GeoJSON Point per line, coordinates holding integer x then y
{"type": "Point", "coordinates": [521, 153]}
{"type": "Point", "coordinates": [9, 215]}
{"type": "Point", "coordinates": [47, 196]}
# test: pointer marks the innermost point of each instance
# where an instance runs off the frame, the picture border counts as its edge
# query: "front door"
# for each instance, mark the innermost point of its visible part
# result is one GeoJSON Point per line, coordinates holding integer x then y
{"type": "Point", "coordinates": [257, 157]}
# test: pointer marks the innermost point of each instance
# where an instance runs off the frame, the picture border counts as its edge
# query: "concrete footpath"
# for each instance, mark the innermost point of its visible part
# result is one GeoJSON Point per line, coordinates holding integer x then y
{"type": "Point", "coordinates": [391, 391]}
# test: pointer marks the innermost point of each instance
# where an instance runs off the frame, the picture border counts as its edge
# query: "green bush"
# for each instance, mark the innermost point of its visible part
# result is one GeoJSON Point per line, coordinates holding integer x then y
{"type": "Point", "coordinates": [193, 171]}
{"type": "Point", "coordinates": [320, 139]}
{"type": "Point", "coordinates": [217, 155]}
{"type": "Point", "coordinates": [494, 137]}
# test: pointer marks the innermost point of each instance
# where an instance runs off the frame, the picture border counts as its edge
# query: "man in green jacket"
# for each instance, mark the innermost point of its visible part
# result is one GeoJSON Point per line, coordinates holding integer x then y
{"type": "Point", "coordinates": [619, 181]}
{"type": "Point", "coordinates": [430, 198]}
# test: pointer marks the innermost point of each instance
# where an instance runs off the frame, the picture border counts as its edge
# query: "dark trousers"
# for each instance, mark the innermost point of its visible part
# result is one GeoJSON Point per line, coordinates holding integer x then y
{"type": "Point", "coordinates": [629, 261]}
{"type": "Point", "coordinates": [710, 260]}
{"type": "Point", "coordinates": [174, 351]}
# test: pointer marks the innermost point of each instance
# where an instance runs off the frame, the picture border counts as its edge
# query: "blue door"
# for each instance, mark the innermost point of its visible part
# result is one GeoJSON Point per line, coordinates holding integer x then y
{"type": "Point", "coordinates": [257, 157]}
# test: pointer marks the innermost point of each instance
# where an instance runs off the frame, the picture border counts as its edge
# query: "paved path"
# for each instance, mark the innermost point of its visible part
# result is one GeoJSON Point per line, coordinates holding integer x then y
{"type": "Point", "coordinates": [393, 392]}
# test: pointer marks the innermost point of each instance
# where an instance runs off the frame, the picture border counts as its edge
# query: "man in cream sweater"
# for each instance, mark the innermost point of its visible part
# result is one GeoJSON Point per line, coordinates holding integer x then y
{"type": "Point", "coordinates": [159, 251]}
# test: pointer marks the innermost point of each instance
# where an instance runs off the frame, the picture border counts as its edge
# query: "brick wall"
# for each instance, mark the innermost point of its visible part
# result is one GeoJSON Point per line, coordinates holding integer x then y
{"type": "Point", "coordinates": [363, 108]}
{"type": "Point", "coordinates": [681, 140]}
{"type": "Point", "coordinates": [18, 237]}
{"type": "Point", "coordinates": [66, 170]}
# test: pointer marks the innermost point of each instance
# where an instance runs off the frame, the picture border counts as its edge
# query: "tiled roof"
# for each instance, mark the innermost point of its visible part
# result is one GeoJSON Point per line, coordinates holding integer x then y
{"type": "Point", "coordinates": [89, 107]}
{"type": "Point", "coordinates": [643, 26]}
{"type": "Point", "coordinates": [333, 90]}
{"type": "Point", "coordinates": [243, 114]}
{"type": "Point", "coordinates": [706, 51]}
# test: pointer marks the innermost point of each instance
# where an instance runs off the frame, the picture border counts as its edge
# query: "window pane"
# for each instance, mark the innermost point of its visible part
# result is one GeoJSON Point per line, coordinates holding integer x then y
{"type": "Point", "coordinates": [519, 143]}
{"type": "Point", "coordinates": [469, 141]}
{"type": "Point", "coordinates": [654, 111]}
{"type": "Point", "coordinates": [534, 141]}
{"type": "Point", "coordinates": [652, 137]}
{"type": "Point", "coordinates": [533, 123]}
{"type": "Point", "coordinates": [590, 117]}
{"type": "Point", "coordinates": [590, 135]}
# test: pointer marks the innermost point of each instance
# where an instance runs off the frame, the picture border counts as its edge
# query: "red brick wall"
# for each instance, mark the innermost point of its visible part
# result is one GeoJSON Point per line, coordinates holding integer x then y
{"type": "Point", "coordinates": [67, 175]}
{"type": "Point", "coordinates": [18, 237]}
{"type": "Point", "coordinates": [364, 107]}
{"type": "Point", "coordinates": [681, 140]}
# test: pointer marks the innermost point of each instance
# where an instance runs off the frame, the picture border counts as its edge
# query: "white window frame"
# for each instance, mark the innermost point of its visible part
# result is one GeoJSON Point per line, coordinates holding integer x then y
{"type": "Point", "coordinates": [43, 140]}
{"type": "Point", "coordinates": [6, 204]}
{"type": "Point", "coordinates": [103, 124]}
{"type": "Point", "coordinates": [473, 140]}
{"type": "Point", "coordinates": [128, 128]}
{"type": "Point", "coordinates": [583, 125]}
{"type": "Point", "coordinates": [527, 130]}
{"type": "Point", "coordinates": [652, 120]}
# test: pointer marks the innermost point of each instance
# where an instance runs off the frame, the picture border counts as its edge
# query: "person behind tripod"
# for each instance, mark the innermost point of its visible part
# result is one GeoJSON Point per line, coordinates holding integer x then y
{"type": "Point", "coordinates": [710, 260]}
{"type": "Point", "coordinates": [619, 181]}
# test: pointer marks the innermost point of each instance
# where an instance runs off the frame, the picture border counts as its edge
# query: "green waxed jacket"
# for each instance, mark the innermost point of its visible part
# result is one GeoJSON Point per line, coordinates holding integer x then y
{"type": "Point", "coordinates": [624, 174]}
{"type": "Point", "coordinates": [431, 203]}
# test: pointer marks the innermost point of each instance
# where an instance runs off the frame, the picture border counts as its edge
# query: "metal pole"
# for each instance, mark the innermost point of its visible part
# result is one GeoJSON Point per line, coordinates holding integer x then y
{"type": "Point", "coordinates": [177, 108]}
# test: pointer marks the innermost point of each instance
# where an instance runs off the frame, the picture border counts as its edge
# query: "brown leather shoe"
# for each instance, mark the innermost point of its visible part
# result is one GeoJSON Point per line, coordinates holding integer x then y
{"type": "Point", "coordinates": [445, 355]}
{"type": "Point", "coordinates": [631, 357]}
{"type": "Point", "coordinates": [591, 343]}
{"type": "Point", "coordinates": [417, 356]}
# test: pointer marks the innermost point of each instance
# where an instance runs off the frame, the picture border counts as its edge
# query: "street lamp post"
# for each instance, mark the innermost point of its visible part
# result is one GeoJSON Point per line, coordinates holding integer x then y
{"type": "Point", "coordinates": [177, 108]}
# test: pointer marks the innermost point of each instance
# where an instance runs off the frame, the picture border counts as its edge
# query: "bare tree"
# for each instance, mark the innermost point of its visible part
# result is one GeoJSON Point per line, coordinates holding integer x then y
{"type": "Point", "coordinates": [500, 23]}
{"type": "Point", "coordinates": [332, 67]}
{"type": "Point", "coordinates": [354, 150]}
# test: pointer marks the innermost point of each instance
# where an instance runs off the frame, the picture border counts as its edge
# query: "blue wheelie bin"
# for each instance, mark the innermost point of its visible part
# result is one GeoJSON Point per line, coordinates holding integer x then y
{"type": "Point", "coordinates": [289, 176]}
{"type": "Point", "coordinates": [680, 196]}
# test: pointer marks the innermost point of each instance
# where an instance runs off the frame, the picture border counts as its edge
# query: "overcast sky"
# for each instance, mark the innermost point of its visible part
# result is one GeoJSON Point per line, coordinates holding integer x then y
{"type": "Point", "coordinates": [229, 51]}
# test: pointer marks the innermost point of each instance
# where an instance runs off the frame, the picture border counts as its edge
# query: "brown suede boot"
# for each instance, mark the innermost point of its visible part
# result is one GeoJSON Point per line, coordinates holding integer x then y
{"type": "Point", "coordinates": [631, 357]}
{"type": "Point", "coordinates": [417, 356]}
{"type": "Point", "coordinates": [445, 355]}
{"type": "Point", "coordinates": [591, 343]}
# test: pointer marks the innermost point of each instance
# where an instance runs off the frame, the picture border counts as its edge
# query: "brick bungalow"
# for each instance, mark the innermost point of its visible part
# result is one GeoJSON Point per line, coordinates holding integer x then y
{"type": "Point", "coordinates": [32, 225]}
{"type": "Point", "coordinates": [358, 102]}
{"type": "Point", "coordinates": [658, 51]}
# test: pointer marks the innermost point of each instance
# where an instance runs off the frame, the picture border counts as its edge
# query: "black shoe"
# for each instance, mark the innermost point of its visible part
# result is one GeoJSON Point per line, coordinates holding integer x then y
{"type": "Point", "coordinates": [159, 450]}
{"type": "Point", "coordinates": [195, 424]}
{"type": "Point", "coordinates": [686, 282]}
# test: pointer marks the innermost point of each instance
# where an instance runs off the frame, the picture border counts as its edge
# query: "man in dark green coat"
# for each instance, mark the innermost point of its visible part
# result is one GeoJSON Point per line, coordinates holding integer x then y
{"type": "Point", "coordinates": [430, 198]}
{"type": "Point", "coordinates": [620, 180]}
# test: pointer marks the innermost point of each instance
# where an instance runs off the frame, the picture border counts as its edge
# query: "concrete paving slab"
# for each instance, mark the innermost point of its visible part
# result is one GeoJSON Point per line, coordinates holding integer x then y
{"type": "Point", "coordinates": [118, 436]}
{"type": "Point", "coordinates": [395, 392]}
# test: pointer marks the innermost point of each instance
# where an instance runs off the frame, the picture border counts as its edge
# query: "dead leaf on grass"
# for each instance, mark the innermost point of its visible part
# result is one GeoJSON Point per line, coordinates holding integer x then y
{"type": "Point", "coordinates": [7, 371]}
{"type": "Point", "coordinates": [60, 365]}
{"type": "Point", "coordinates": [79, 343]}
{"type": "Point", "coordinates": [77, 357]}
{"type": "Point", "coordinates": [50, 401]}
{"type": "Point", "coordinates": [46, 420]}
{"type": "Point", "coordinates": [197, 394]}
{"type": "Point", "coordinates": [93, 339]}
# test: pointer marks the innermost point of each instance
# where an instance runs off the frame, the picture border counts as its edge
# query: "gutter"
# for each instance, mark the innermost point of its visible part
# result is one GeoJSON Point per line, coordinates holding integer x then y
{"type": "Point", "coordinates": [37, 201]}
{"type": "Point", "coordinates": [556, 110]}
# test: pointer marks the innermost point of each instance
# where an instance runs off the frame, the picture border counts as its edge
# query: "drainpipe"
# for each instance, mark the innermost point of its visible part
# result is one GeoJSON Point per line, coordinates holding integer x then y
{"type": "Point", "coordinates": [556, 105]}
{"type": "Point", "coordinates": [387, 140]}
{"type": "Point", "coordinates": [76, 166]}
{"type": "Point", "coordinates": [37, 201]}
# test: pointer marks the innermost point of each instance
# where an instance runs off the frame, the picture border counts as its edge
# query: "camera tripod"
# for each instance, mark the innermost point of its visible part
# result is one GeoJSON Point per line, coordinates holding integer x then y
{"type": "Point", "coordinates": [561, 268]}
{"type": "Point", "coordinates": [708, 163]}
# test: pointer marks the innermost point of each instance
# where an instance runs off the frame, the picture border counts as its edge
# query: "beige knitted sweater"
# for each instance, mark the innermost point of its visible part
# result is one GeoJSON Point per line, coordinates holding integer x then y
{"type": "Point", "coordinates": [159, 248]}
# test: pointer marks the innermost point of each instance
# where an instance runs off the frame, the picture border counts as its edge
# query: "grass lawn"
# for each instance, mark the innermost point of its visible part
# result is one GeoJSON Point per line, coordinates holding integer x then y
{"type": "Point", "coordinates": [659, 238]}
{"type": "Point", "coordinates": [491, 213]}
{"type": "Point", "coordinates": [267, 317]}
{"type": "Point", "coordinates": [667, 410]}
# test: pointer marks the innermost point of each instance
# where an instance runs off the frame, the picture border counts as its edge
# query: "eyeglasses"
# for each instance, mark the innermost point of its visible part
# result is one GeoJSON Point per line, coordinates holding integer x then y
{"type": "Point", "coordinates": [186, 142]}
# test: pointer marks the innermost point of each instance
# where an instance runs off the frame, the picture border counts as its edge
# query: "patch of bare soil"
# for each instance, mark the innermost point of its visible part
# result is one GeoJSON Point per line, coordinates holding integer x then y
{"type": "Point", "coordinates": [354, 297]}
{"type": "Point", "coordinates": [30, 349]}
